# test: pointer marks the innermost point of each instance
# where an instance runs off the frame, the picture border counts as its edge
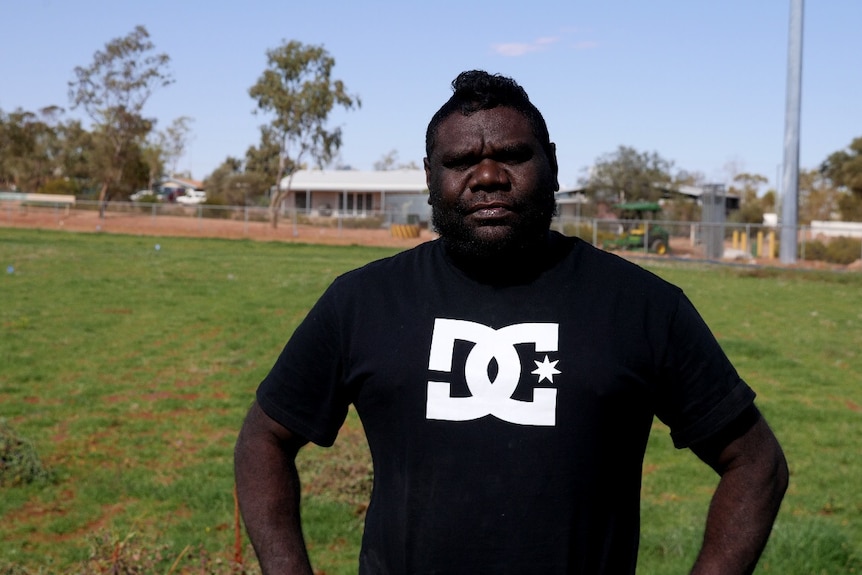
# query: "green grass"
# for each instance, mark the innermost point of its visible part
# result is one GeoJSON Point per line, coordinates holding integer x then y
{"type": "Point", "coordinates": [130, 369]}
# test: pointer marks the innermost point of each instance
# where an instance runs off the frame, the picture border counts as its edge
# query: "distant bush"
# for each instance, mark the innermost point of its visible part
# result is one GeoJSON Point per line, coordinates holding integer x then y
{"type": "Point", "coordinates": [582, 230]}
{"type": "Point", "coordinates": [61, 186]}
{"type": "Point", "coordinates": [844, 250]}
{"type": "Point", "coordinates": [217, 208]}
{"type": "Point", "coordinates": [19, 462]}
{"type": "Point", "coordinates": [841, 250]}
{"type": "Point", "coordinates": [368, 223]}
{"type": "Point", "coordinates": [814, 251]}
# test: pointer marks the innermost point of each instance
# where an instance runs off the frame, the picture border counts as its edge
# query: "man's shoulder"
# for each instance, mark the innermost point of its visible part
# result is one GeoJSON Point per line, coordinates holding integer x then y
{"type": "Point", "coordinates": [395, 267]}
{"type": "Point", "coordinates": [602, 267]}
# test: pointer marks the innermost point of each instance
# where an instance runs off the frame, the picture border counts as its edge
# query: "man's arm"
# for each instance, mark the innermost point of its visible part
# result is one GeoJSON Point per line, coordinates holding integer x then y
{"type": "Point", "coordinates": [754, 477]}
{"type": "Point", "coordinates": [268, 492]}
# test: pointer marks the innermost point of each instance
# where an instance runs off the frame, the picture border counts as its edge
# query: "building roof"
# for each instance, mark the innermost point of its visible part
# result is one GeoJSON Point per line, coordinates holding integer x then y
{"type": "Point", "coordinates": [184, 182]}
{"type": "Point", "coordinates": [404, 181]}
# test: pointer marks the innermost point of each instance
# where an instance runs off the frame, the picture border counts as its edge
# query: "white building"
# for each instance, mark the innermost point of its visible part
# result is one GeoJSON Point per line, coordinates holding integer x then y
{"type": "Point", "coordinates": [354, 193]}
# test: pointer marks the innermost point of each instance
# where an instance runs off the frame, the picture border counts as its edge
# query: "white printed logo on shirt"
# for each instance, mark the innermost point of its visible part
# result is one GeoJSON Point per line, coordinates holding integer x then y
{"type": "Point", "coordinates": [492, 397]}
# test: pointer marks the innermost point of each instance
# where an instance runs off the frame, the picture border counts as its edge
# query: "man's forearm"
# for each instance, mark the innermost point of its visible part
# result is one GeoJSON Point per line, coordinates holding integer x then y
{"type": "Point", "coordinates": [744, 508]}
{"type": "Point", "coordinates": [269, 497]}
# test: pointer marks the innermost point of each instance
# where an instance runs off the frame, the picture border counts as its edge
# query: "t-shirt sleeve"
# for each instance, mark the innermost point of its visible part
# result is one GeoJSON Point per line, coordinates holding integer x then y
{"type": "Point", "coordinates": [702, 392]}
{"type": "Point", "coordinates": [303, 391]}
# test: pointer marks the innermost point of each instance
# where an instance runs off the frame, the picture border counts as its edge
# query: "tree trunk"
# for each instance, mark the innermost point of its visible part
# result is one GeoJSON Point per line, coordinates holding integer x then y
{"type": "Point", "coordinates": [274, 205]}
{"type": "Point", "coordinates": [275, 200]}
{"type": "Point", "coordinates": [103, 201]}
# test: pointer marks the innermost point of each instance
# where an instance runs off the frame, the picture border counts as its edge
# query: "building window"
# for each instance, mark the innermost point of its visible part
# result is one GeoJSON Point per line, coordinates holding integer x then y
{"type": "Point", "coordinates": [356, 203]}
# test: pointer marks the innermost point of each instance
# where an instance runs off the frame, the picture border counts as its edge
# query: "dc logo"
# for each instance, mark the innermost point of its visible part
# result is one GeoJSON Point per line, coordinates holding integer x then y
{"type": "Point", "coordinates": [492, 397]}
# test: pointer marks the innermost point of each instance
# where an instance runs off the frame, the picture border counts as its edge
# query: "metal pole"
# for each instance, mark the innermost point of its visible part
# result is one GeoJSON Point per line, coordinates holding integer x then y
{"type": "Point", "coordinates": [790, 181]}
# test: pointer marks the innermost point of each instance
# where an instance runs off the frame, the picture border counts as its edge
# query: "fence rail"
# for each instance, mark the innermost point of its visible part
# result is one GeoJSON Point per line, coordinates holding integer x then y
{"type": "Point", "coordinates": [685, 239]}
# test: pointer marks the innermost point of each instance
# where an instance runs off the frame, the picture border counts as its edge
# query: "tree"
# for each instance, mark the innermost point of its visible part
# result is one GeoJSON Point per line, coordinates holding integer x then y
{"type": "Point", "coordinates": [30, 148]}
{"type": "Point", "coordinates": [844, 169]}
{"type": "Point", "coordinates": [165, 148]}
{"type": "Point", "coordinates": [76, 155]}
{"type": "Point", "coordinates": [112, 91]}
{"type": "Point", "coordinates": [818, 197]}
{"type": "Point", "coordinates": [389, 161]}
{"type": "Point", "coordinates": [297, 92]}
{"type": "Point", "coordinates": [174, 140]}
{"type": "Point", "coordinates": [628, 175]}
{"type": "Point", "coordinates": [747, 187]}
{"type": "Point", "coordinates": [265, 158]}
{"type": "Point", "coordinates": [230, 184]}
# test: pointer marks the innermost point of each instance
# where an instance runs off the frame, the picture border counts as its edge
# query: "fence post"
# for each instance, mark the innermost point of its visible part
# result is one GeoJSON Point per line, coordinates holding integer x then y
{"type": "Point", "coordinates": [646, 237]}
{"type": "Point", "coordinates": [802, 250]}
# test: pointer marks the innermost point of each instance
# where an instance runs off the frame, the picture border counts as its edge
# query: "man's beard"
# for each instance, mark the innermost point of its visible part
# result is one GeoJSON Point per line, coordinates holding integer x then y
{"type": "Point", "coordinates": [529, 232]}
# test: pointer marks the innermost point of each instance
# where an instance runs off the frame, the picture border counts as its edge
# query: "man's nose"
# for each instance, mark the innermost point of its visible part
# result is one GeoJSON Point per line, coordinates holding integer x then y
{"type": "Point", "coordinates": [489, 175]}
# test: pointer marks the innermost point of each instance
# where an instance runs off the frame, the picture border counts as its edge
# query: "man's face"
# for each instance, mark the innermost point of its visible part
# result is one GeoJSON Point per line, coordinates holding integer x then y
{"type": "Point", "coordinates": [492, 184]}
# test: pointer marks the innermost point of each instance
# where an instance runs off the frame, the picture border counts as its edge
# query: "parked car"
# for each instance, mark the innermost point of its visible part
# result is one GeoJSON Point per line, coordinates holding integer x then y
{"type": "Point", "coordinates": [142, 194]}
{"type": "Point", "coordinates": [192, 197]}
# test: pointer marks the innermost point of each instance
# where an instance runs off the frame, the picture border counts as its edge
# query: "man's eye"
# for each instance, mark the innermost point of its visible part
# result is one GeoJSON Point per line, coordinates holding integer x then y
{"type": "Point", "coordinates": [458, 164]}
{"type": "Point", "coordinates": [514, 156]}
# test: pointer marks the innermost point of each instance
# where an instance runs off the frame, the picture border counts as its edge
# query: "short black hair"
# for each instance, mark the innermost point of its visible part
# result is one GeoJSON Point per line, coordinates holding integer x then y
{"type": "Point", "coordinates": [476, 90]}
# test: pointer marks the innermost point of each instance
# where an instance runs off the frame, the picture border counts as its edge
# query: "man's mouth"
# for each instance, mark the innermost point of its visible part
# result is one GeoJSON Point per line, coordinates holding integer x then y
{"type": "Point", "coordinates": [490, 210]}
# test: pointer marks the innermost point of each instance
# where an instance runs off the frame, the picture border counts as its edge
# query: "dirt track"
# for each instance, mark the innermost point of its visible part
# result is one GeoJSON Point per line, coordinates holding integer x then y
{"type": "Point", "coordinates": [145, 224]}
{"type": "Point", "coordinates": [164, 225]}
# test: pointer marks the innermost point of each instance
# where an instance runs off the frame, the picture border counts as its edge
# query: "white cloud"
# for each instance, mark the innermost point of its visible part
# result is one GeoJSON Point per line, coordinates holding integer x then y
{"type": "Point", "coordinates": [586, 45]}
{"type": "Point", "coordinates": [515, 49]}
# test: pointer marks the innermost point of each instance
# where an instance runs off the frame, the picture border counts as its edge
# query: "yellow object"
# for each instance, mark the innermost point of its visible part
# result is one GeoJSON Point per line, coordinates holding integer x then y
{"type": "Point", "coordinates": [404, 231]}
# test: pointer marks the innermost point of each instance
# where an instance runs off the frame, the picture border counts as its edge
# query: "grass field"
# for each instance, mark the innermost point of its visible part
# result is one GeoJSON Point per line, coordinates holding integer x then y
{"type": "Point", "coordinates": [128, 363]}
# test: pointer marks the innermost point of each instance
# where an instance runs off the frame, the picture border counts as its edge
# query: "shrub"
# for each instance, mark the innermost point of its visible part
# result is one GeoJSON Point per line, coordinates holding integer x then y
{"type": "Point", "coordinates": [60, 186]}
{"type": "Point", "coordinates": [584, 230]}
{"type": "Point", "coordinates": [217, 208]}
{"type": "Point", "coordinates": [19, 462]}
{"type": "Point", "coordinates": [367, 223]}
{"type": "Point", "coordinates": [814, 250]}
{"type": "Point", "coordinates": [841, 250]}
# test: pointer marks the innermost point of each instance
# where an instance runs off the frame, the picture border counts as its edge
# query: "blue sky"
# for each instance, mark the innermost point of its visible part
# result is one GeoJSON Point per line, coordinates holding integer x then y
{"type": "Point", "coordinates": [701, 83]}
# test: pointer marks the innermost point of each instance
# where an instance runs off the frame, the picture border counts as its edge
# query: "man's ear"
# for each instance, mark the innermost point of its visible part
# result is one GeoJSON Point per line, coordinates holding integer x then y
{"type": "Point", "coordinates": [555, 167]}
{"type": "Point", "coordinates": [427, 165]}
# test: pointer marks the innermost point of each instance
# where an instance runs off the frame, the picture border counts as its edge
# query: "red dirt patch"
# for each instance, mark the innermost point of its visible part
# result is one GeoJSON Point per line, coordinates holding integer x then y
{"type": "Point", "coordinates": [146, 224]}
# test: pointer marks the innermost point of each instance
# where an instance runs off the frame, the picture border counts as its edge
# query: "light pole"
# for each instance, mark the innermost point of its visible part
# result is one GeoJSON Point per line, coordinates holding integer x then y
{"type": "Point", "coordinates": [790, 181]}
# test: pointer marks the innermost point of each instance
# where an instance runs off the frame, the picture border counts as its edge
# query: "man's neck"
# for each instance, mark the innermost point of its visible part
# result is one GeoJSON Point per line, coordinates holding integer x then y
{"type": "Point", "coordinates": [515, 265]}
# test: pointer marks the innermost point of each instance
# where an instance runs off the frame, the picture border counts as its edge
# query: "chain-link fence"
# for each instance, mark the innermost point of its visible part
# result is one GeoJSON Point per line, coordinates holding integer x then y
{"type": "Point", "coordinates": [832, 242]}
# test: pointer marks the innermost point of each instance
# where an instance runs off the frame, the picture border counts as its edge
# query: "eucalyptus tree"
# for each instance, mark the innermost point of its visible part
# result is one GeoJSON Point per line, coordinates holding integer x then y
{"type": "Point", "coordinates": [30, 148]}
{"type": "Point", "coordinates": [113, 90]}
{"type": "Point", "coordinates": [164, 148]}
{"type": "Point", "coordinates": [628, 175]}
{"type": "Point", "coordinates": [844, 169]}
{"type": "Point", "coordinates": [296, 93]}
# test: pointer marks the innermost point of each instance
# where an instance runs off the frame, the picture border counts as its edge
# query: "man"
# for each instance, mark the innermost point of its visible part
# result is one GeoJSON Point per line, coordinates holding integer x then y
{"type": "Point", "coordinates": [506, 377]}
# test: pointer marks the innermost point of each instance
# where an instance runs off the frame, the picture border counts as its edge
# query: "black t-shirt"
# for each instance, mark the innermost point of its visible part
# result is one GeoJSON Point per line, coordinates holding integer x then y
{"type": "Point", "coordinates": [507, 424]}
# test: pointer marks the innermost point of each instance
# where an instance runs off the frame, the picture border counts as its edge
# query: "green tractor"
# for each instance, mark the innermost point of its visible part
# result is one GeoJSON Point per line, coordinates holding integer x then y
{"type": "Point", "coordinates": [637, 235]}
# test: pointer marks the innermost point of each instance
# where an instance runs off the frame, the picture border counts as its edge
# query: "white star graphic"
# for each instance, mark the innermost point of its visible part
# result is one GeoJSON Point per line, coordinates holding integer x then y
{"type": "Point", "coordinates": [546, 369]}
